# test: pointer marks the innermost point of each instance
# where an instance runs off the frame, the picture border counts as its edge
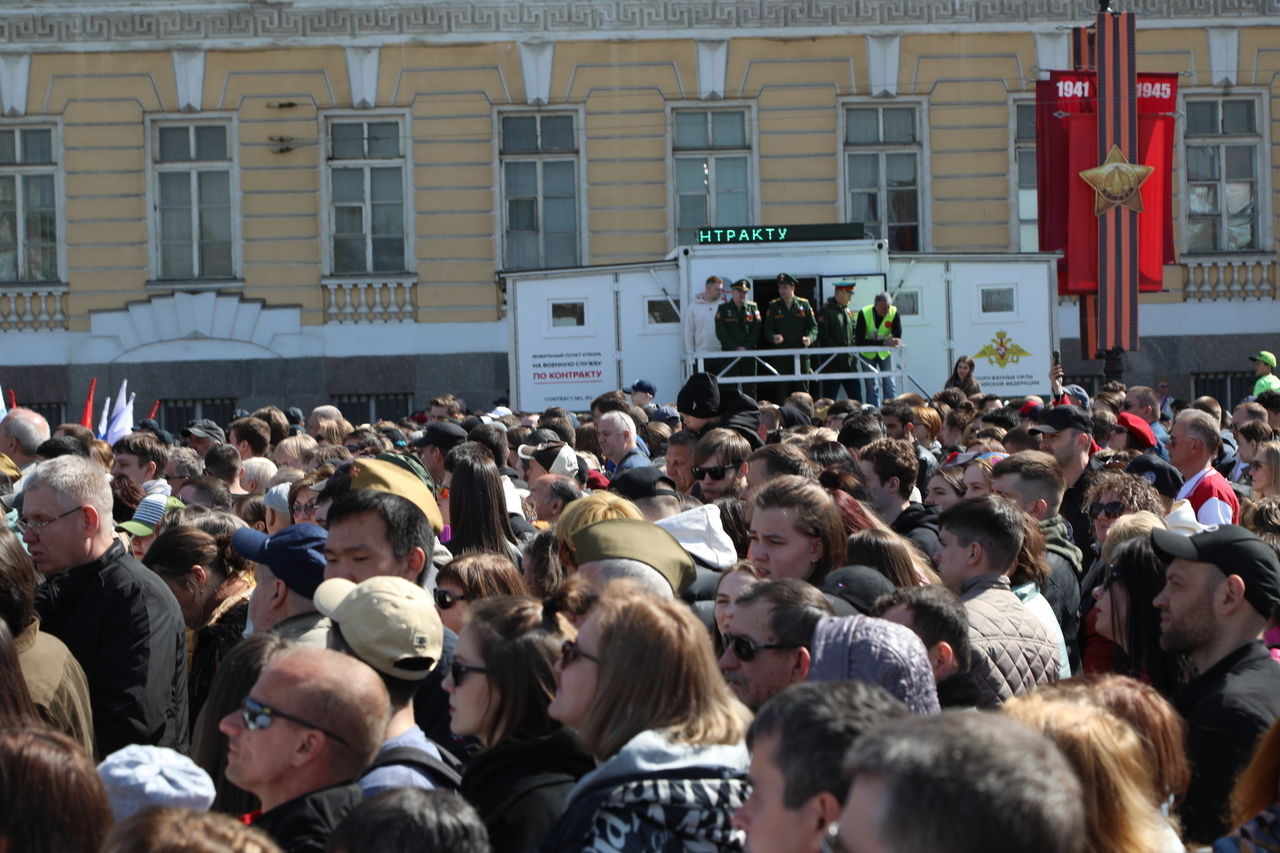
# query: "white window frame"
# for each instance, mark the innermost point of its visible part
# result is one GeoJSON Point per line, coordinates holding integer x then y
{"type": "Point", "coordinates": [752, 152]}
{"type": "Point", "coordinates": [578, 155]}
{"type": "Point", "coordinates": [1016, 146]}
{"type": "Point", "coordinates": [1262, 167]}
{"type": "Point", "coordinates": [58, 169]}
{"type": "Point", "coordinates": [231, 122]}
{"type": "Point", "coordinates": [843, 149]}
{"type": "Point", "coordinates": [403, 117]}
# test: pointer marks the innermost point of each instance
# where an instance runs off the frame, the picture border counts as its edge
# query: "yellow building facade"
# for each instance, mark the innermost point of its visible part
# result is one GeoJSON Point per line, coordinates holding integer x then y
{"type": "Point", "coordinates": [240, 203]}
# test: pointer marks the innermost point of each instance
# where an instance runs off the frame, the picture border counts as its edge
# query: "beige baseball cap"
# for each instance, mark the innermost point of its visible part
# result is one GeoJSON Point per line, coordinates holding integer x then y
{"type": "Point", "coordinates": [387, 622]}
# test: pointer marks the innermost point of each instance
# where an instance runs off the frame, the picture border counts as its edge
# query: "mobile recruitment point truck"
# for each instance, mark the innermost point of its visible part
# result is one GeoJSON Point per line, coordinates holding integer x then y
{"type": "Point", "coordinates": [576, 333]}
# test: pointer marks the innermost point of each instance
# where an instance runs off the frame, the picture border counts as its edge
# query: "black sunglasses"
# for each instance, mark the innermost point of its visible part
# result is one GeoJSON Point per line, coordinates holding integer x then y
{"type": "Point", "coordinates": [570, 654]}
{"type": "Point", "coordinates": [446, 599]}
{"type": "Point", "coordinates": [459, 672]}
{"type": "Point", "coordinates": [744, 648]}
{"type": "Point", "coordinates": [716, 472]}
{"type": "Point", "coordinates": [257, 716]}
{"type": "Point", "coordinates": [1111, 509]}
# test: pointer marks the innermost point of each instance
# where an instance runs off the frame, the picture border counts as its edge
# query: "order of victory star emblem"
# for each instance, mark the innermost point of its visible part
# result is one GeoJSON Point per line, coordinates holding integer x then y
{"type": "Point", "coordinates": [1116, 182]}
{"type": "Point", "coordinates": [1001, 351]}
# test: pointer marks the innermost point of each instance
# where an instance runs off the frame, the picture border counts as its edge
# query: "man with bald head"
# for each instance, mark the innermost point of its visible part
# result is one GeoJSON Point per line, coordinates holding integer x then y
{"type": "Point", "coordinates": [311, 724]}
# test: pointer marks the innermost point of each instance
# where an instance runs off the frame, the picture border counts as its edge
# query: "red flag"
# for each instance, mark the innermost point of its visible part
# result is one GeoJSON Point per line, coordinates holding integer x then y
{"type": "Point", "coordinates": [1155, 242]}
{"type": "Point", "coordinates": [155, 407]}
{"type": "Point", "coordinates": [86, 414]}
{"type": "Point", "coordinates": [13, 399]}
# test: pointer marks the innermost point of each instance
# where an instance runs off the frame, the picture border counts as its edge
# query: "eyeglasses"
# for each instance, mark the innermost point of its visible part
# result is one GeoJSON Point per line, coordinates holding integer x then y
{"type": "Point", "coordinates": [258, 716]}
{"type": "Point", "coordinates": [34, 528]}
{"type": "Point", "coordinates": [570, 654]}
{"type": "Point", "coordinates": [1111, 509]}
{"type": "Point", "coordinates": [446, 599]}
{"type": "Point", "coordinates": [459, 672]}
{"type": "Point", "coordinates": [308, 508]}
{"type": "Point", "coordinates": [716, 472]}
{"type": "Point", "coordinates": [745, 648]}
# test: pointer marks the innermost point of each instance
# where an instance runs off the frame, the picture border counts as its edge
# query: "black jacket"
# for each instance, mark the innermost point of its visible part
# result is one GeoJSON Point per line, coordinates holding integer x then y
{"type": "Point", "coordinates": [519, 789]}
{"type": "Point", "coordinates": [927, 466]}
{"type": "Point", "coordinates": [125, 628]}
{"type": "Point", "coordinates": [741, 414]}
{"type": "Point", "coordinates": [1227, 709]}
{"type": "Point", "coordinates": [1062, 588]}
{"type": "Point", "coordinates": [304, 824]}
{"type": "Point", "coordinates": [1074, 510]}
{"type": "Point", "coordinates": [918, 523]}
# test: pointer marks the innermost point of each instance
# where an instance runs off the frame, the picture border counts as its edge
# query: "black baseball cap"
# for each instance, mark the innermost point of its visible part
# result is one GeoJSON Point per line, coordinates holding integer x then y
{"type": "Point", "coordinates": [1058, 418]}
{"type": "Point", "coordinates": [643, 482]}
{"type": "Point", "coordinates": [442, 434]}
{"type": "Point", "coordinates": [1166, 479]}
{"type": "Point", "coordinates": [1236, 551]}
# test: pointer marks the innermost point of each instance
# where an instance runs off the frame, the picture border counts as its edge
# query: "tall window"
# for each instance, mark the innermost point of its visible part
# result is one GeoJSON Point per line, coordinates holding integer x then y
{"type": "Point", "coordinates": [540, 191]}
{"type": "Point", "coordinates": [713, 168]}
{"type": "Point", "coordinates": [193, 201]}
{"type": "Point", "coordinates": [1223, 147]}
{"type": "Point", "coordinates": [882, 172]}
{"type": "Point", "coordinates": [1024, 151]}
{"type": "Point", "coordinates": [28, 211]}
{"type": "Point", "coordinates": [366, 195]}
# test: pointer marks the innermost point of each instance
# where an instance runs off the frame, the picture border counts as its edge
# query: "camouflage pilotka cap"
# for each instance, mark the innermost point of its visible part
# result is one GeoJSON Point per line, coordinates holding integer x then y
{"type": "Point", "coordinates": [642, 541]}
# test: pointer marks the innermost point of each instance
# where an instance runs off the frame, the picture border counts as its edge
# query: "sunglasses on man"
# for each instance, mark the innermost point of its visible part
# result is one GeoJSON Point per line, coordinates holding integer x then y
{"type": "Point", "coordinates": [745, 648]}
{"type": "Point", "coordinates": [715, 472]}
{"type": "Point", "coordinates": [258, 716]}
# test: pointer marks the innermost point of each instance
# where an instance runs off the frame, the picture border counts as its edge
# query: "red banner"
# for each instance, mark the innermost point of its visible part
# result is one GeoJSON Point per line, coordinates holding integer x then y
{"type": "Point", "coordinates": [1155, 141]}
{"type": "Point", "coordinates": [1065, 104]}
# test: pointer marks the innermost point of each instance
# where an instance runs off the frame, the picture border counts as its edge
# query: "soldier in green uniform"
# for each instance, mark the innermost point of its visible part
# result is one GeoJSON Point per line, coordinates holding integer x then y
{"type": "Point", "coordinates": [789, 323]}
{"type": "Point", "coordinates": [738, 328]}
{"type": "Point", "coordinates": [836, 324]}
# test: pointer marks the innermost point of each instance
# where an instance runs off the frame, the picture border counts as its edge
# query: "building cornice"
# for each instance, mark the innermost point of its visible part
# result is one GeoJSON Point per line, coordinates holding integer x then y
{"type": "Point", "coordinates": [72, 26]}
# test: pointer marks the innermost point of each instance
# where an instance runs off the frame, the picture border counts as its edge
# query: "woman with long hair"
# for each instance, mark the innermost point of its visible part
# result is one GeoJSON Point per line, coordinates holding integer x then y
{"type": "Point", "coordinates": [890, 554]}
{"type": "Point", "coordinates": [1111, 763]}
{"type": "Point", "coordinates": [500, 684]}
{"type": "Point", "coordinates": [962, 377]}
{"type": "Point", "coordinates": [54, 800]}
{"type": "Point", "coordinates": [945, 487]}
{"type": "Point", "coordinates": [1126, 616]}
{"type": "Point", "coordinates": [212, 584]}
{"type": "Point", "coordinates": [478, 509]}
{"type": "Point", "coordinates": [16, 707]}
{"type": "Point", "coordinates": [1264, 470]}
{"type": "Point", "coordinates": [465, 581]}
{"type": "Point", "coordinates": [232, 682]}
{"type": "Point", "coordinates": [796, 531]}
{"type": "Point", "coordinates": [731, 584]}
{"type": "Point", "coordinates": [641, 688]}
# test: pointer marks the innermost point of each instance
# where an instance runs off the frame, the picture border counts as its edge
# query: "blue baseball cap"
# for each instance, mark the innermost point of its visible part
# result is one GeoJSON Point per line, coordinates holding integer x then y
{"type": "Point", "coordinates": [643, 385]}
{"type": "Point", "coordinates": [295, 554]}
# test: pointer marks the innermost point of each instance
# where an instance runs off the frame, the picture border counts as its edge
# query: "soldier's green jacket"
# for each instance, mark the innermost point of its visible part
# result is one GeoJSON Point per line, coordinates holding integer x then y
{"type": "Point", "coordinates": [738, 326]}
{"type": "Point", "coordinates": [836, 324]}
{"type": "Point", "coordinates": [792, 323]}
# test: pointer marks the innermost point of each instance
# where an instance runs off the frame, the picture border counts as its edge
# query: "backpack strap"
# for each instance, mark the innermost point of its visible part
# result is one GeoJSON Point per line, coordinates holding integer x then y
{"type": "Point", "coordinates": [444, 770]}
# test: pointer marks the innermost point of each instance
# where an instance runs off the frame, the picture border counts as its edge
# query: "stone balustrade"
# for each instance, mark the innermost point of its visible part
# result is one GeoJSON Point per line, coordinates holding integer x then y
{"type": "Point", "coordinates": [32, 307]}
{"type": "Point", "coordinates": [373, 299]}
{"type": "Point", "coordinates": [1230, 277]}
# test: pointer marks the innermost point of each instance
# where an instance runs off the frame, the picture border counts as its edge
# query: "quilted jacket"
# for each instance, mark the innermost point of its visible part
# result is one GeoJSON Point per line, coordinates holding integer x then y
{"type": "Point", "coordinates": [1012, 652]}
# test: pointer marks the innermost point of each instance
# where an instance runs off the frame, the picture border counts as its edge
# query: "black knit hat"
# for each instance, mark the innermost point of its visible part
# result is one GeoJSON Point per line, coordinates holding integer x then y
{"type": "Point", "coordinates": [700, 396]}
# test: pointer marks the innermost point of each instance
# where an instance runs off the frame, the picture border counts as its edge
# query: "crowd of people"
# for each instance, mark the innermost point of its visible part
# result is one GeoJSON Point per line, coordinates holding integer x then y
{"type": "Point", "coordinates": [964, 623]}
